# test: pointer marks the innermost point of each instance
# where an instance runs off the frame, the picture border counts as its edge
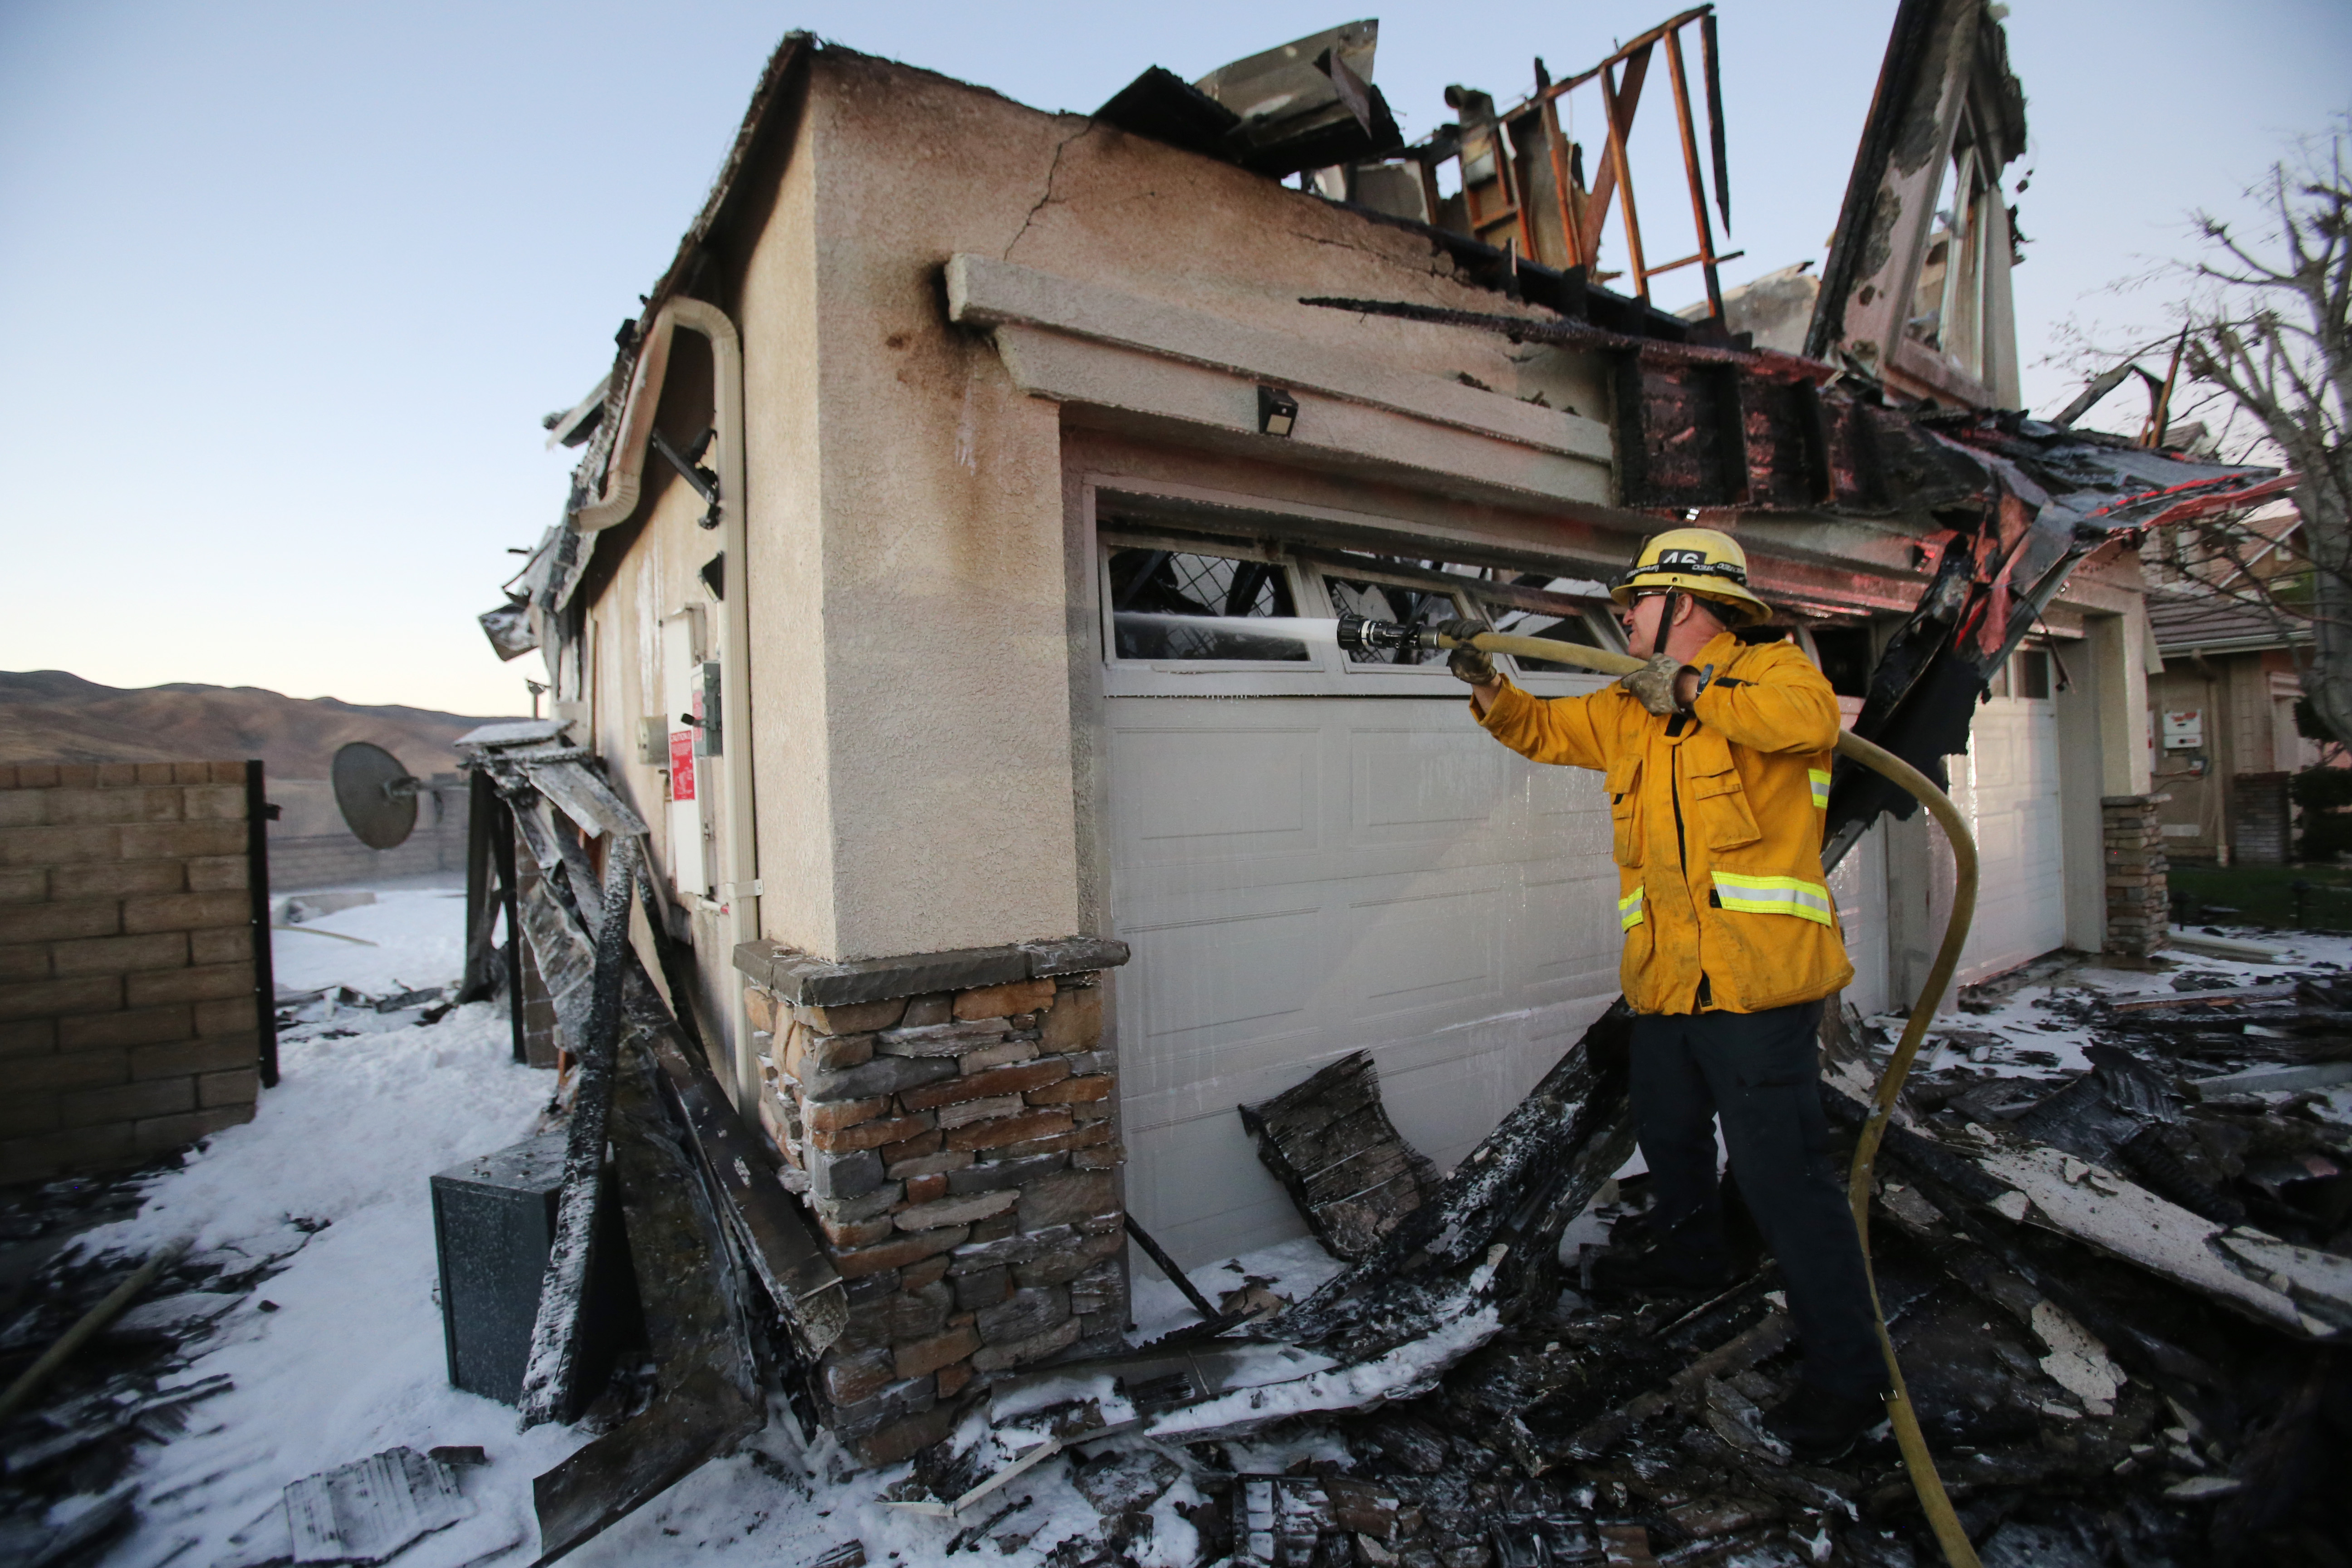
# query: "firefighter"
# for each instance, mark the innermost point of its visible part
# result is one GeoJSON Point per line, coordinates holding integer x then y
{"type": "Point", "coordinates": [1717, 757]}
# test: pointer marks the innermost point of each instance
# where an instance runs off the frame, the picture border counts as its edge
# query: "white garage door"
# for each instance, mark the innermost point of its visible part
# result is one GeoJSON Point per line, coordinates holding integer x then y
{"type": "Point", "coordinates": [2007, 787]}
{"type": "Point", "coordinates": [1859, 886]}
{"type": "Point", "coordinates": [1300, 877]}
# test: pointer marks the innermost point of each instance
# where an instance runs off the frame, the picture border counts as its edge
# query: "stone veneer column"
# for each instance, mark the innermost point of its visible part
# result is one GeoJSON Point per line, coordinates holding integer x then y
{"type": "Point", "coordinates": [2139, 905]}
{"type": "Point", "coordinates": [957, 1145]}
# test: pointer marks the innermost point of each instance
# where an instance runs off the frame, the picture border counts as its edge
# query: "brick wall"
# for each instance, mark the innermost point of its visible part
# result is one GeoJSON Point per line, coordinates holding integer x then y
{"type": "Point", "coordinates": [2139, 905]}
{"type": "Point", "coordinates": [958, 1151]}
{"type": "Point", "coordinates": [128, 1018]}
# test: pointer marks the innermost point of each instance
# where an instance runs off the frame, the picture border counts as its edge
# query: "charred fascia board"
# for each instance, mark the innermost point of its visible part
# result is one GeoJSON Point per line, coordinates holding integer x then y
{"type": "Point", "coordinates": [1703, 428]}
{"type": "Point", "coordinates": [1819, 565]}
{"type": "Point", "coordinates": [1941, 56]}
{"type": "Point", "coordinates": [754, 136]}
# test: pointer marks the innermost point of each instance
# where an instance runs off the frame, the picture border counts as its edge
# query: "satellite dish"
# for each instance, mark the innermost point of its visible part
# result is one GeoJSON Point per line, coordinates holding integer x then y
{"type": "Point", "coordinates": [378, 796]}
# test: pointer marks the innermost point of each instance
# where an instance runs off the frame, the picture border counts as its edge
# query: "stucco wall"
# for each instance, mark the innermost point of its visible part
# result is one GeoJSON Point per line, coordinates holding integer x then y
{"type": "Point", "coordinates": [919, 738]}
{"type": "Point", "coordinates": [773, 290]}
{"type": "Point", "coordinates": [910, 598]}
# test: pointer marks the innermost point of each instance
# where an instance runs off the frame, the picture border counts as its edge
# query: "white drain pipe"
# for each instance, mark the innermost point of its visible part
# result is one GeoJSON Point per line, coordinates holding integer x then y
{"type": "Point", "coordinates": [739, 886]}
{"type": "Point", "coordinates": [740, 892]}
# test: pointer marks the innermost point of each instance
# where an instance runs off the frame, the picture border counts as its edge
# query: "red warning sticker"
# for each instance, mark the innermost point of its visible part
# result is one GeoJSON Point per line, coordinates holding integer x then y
{"type": "Point", "coordinates": [681, 764]}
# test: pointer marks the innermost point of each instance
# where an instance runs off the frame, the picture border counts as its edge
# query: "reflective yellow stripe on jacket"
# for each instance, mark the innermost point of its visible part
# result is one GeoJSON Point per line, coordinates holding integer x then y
{"type": "Point", "coordinates": [1821, 787]}
{"type": "Point", "coordinates": [1629, 909]}
{"type": "Point", "coordinates": [1773, 896]}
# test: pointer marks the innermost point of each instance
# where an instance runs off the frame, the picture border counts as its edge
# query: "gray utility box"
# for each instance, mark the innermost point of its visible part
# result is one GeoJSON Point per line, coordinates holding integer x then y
{"type": "Point", "coordinates": [493, 1226]}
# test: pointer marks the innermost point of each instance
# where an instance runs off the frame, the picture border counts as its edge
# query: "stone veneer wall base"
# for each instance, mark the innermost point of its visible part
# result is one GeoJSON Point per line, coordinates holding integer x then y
{"type": "Point", "coordinates": [949, 1120]}
{"type": "Point", "coordinates": [2138, 904]}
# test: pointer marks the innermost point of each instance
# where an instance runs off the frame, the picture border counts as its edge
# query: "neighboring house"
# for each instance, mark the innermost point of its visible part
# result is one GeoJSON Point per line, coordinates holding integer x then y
{"type": "Point", "coordinates": [966, 510]}
{"type": "Point", "coordinates": [2221, 719]}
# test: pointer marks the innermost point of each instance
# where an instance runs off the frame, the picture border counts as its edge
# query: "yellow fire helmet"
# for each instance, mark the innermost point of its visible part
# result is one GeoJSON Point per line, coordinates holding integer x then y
{"type": "Point", "coordinates": [1699, 561]}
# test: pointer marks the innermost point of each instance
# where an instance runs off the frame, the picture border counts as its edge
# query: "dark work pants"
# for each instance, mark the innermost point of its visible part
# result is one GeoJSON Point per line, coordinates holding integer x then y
{"type": "Point", "coordinates": [1758, 1071]}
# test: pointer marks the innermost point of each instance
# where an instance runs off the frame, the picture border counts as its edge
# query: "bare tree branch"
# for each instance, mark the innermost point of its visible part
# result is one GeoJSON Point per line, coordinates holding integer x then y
{"type": "Point", "coordinates": [2268, 353]}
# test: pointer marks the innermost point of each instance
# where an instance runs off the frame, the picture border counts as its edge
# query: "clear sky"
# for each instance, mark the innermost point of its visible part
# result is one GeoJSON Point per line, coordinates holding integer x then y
{"type": "Point", "coordinates": [293, 283]}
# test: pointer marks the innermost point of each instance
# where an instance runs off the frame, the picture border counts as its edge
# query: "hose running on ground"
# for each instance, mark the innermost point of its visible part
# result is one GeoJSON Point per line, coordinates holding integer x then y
{"type": "Point", "coordinates": [1906, 1421]}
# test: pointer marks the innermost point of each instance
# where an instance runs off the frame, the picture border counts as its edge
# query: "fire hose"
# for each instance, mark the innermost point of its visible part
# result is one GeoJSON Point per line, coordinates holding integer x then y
{"type": "Point", "coordinates": [1358, 634]}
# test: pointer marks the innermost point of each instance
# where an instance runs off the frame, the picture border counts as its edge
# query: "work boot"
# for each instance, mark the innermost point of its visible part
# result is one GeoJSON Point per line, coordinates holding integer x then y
{"type": "Point", "coordinates": [1661, 1270]}
{"type": "Point", "coordinates": [1820, 1426]}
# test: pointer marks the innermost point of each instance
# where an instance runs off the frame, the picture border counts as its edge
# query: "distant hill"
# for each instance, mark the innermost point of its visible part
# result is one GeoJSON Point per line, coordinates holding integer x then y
{"type": "Point", "coordinates": [50, 716]}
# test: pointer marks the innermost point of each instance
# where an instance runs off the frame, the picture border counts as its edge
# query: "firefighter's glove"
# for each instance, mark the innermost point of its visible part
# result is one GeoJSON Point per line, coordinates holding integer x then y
{"type": "Point", "coordinates": [1653, 685]}
{"type": "Point", "coordinates": [1469, 664]}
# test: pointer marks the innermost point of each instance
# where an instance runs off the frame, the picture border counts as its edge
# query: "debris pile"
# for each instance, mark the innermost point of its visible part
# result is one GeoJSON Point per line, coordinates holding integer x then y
{"type": "Point", "coordinates": [96, 1356]}
{"type": "Point", "coordinates": [2111, 1239]}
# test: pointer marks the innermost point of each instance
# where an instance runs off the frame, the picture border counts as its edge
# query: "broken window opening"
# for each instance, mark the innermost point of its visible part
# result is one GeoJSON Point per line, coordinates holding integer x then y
{"type": "Point", "coordinates": [1180, 605]}
{"type": "Point", "coordinates": [1844, 654]}
{"type": "Point", "coordinates": [2031, 677]}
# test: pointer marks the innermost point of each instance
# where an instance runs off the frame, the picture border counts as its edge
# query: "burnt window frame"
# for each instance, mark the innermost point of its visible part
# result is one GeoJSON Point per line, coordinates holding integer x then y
{"type": "Point", "coordinates": [1324, 568]}
{"type": "Point", "coordinates": [1120, 515]}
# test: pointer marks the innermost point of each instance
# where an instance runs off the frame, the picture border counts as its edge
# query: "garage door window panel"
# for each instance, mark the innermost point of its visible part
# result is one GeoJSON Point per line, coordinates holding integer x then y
{"type": "Point", "coordinates": [1187, 607]}
{"type": "Point", "coordinates": [1381, 597]}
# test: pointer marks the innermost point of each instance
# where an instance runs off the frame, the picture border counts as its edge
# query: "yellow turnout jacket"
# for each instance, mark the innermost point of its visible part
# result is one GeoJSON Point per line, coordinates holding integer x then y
{"type": "Point", "coordinates": [1717, 822]}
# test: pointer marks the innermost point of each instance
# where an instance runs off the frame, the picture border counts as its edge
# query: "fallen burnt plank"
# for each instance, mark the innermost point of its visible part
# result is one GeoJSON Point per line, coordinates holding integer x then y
{"type": "Point", "coordinates": [2237, 995]}
{"type": "Point", "coordinates": [550, 1384]}
{"type": "Point", "coordinates": [708, 1396]}
{"type": "Point", "coordinates": [565, 958]}
{"type": "Point", "coordinates": [1329, 1142]}
{"type": "Point", "coordinates": [774, 1229]}
{"type": "Point", "coordinates": [2298, 1291]}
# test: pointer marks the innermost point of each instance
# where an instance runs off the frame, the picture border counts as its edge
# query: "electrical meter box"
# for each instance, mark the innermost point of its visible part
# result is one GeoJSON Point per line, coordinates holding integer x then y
{"type": "Point", "coordinates": [687, 685]}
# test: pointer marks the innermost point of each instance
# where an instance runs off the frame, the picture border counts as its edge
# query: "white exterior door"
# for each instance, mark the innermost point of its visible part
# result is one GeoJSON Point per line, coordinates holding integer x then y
{"type": "Point", "coordinates": [1305, 877]}
{"type": "Point", "coordinates": [1859, 886]}
{"type": "Point", "coordinates": [2006, 785]}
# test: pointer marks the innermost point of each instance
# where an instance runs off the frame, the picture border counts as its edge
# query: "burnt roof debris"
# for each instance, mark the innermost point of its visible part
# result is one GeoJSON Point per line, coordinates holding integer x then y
{"type": "Point", "coordinates": [2115, 1293]}
{"type": "Point", "coordinates": [1330, 1144]}
{"type": "Point", "coordinates": [2045, 501]}
{"type": "Point", "coordinates": [1308, 104]}
{"type": "Point", "coordinates": [1521, 183]}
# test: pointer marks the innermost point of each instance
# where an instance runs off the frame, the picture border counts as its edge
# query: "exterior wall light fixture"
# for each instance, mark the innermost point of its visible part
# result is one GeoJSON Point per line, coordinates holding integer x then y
{"type": "Point", "coordinates": [1277, 411]}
